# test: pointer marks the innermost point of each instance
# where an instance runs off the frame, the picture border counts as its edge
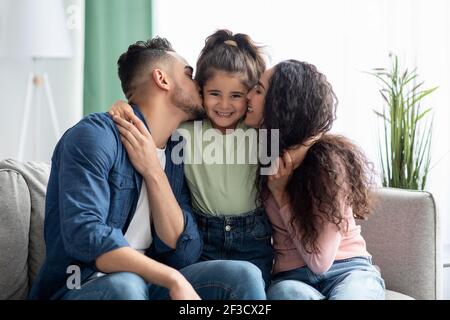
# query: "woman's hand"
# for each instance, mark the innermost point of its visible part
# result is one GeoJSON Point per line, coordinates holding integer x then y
{"type": "Point", "coordinates": [285, 166]}
{"type": "Point", "coordinates": [121, 109]}
{"type": "Point", "coordinates": [278, 181]}
{"type": "Point", "coordinates": [298, 153]}
{"type": "Point", "coordinates": [139, 144]}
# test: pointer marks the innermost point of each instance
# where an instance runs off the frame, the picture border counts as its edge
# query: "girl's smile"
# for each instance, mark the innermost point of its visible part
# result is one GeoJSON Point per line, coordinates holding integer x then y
{"type": "Point", "coordinates": [224, 99]}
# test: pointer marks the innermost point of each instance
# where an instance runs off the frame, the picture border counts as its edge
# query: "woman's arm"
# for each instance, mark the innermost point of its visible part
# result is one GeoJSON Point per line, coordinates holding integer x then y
{"type": "Point", "coordinates": [329, 237]}
{"type": "Point", "coordinates": [327, 243]}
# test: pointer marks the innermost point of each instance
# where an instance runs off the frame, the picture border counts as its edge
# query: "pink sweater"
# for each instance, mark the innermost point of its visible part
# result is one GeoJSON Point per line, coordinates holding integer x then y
{"type": "Point", "coordinates": [332, 243]}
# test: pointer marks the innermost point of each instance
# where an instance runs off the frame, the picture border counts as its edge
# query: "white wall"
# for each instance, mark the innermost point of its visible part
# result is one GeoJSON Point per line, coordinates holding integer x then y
{"type": "Point", "coordinates": [342, 38]}
{"type": "Point", "coordinates": [66, 78]}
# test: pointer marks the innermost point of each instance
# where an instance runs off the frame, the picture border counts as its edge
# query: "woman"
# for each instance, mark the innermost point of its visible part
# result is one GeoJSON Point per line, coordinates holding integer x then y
{"type": "Point", "coordinates": [320, 186]}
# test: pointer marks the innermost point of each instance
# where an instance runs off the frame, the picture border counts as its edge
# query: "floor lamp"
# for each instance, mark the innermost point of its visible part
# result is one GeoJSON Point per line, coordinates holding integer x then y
{"type": "Point", "coordinates": [37, 82]}
{"type": "Point", "coordinates": [40, 34]}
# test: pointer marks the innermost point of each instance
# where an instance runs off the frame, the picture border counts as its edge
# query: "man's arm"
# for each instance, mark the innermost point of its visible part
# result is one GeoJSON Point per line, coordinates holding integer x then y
{"type": "Point", "coordinates": [87, 156]}
{"type": "Point", "coordinates": [177, 241]}
{"type": "Point", "coordinates": [189, 244]}
{"type": "Point", "coordinates": [130, 260]}
{"type": "Point", "coordinates": [167, 216]}
{"type": "Point", "coordinates": [141, 149]}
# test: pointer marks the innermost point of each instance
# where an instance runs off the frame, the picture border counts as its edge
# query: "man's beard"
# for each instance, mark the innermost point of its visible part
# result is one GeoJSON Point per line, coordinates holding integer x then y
{"type": "Point", "coordinates": [186, 103]}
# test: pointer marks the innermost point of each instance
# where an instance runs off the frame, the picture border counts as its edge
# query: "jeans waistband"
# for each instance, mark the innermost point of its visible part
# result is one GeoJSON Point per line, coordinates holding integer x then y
{"type": "Point", "coordinates": [247, 218]}
{"type": "Point", "coordinates": [354, 259]}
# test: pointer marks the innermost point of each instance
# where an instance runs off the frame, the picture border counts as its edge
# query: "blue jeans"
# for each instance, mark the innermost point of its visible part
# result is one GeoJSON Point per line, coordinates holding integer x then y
{"type": "Point", "coordinates": [246, 237]}
{"type": "Point", "coordinates": [347, 279]}
{"type": "Point", "coordinates": [213, 280]}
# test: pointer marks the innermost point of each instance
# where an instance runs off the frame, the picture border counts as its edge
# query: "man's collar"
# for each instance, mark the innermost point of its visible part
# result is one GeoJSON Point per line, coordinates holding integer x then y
{"type": "Point", "coordinates": [139, 114]}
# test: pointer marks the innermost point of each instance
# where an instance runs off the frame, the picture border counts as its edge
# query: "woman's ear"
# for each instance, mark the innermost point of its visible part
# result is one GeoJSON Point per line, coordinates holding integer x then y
{"type": "Point", "coordinates": [161, 79]}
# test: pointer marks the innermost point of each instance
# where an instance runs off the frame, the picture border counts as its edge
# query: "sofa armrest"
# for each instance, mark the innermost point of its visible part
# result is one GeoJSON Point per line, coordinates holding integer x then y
{"type": "Point", "coordinates": [403, 236]}
{"type": "Point", "coordinates": [15, 210]}
{"type": "Point", "coordinates": [22, 247]}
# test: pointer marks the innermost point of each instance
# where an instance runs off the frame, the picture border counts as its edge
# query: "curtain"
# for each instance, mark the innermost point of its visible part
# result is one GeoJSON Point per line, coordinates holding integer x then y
{"type": "Point", "coordinates": [110, 27]}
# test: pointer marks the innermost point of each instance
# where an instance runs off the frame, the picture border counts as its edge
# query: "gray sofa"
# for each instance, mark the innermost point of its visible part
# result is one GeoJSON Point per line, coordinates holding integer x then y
{"type": "Point", "coordinates": [402, 235]}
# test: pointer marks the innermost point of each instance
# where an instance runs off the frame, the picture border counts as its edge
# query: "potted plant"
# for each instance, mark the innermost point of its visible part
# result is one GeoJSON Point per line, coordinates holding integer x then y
{"type": "Point", "coordinates": [405, 153]}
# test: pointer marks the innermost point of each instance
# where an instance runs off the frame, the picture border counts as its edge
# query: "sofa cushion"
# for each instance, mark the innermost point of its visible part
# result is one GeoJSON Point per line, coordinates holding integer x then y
{"type": "Point", "coordinates": [14, 227]}
{"type": "Point", "coordinates": [22, 199]}
{"type": "Point", "coordinates": [392, 295]}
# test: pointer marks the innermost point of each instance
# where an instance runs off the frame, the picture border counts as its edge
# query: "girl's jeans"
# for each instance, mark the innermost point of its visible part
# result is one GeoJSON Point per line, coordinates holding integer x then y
{"type": "Point", "coordinates": [246, 237]}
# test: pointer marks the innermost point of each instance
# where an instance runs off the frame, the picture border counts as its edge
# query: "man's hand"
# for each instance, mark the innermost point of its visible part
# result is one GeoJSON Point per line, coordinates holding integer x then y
{"type": "Point", "coordinates": [138, 142]}
{"type": "Point", "coordinates": [181, 289]}
{"type": "Point", "coordinates": [167, 216]}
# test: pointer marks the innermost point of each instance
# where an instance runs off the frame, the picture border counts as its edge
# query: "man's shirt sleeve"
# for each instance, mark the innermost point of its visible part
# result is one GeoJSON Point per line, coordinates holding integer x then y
{"type": "Point", "coordinates": [86, 157]}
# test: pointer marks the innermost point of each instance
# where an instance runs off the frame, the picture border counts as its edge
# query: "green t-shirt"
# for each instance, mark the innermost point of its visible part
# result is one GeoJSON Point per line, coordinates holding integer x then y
{"type": "Point", "coordinates": [220, 169]}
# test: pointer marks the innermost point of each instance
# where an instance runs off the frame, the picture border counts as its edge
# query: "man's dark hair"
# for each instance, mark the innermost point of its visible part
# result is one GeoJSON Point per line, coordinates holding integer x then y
{"type": "Point", "coordinates": [138, 58]}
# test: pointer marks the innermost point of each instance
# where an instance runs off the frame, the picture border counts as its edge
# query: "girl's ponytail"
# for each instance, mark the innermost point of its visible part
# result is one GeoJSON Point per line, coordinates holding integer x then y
{"type": "Point", "coordinates": [230, 53]}
{"type": "Point", "coordinates": [254, 54]}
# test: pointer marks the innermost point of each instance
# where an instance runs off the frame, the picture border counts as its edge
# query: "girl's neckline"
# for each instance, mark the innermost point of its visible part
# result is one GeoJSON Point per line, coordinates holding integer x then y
{"type": "Point", "coordinates": [239, 125]}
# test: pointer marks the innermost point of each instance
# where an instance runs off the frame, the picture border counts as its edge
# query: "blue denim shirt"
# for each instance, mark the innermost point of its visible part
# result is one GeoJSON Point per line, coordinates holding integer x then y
{"type": "Point", "coordinates": [92, 195]}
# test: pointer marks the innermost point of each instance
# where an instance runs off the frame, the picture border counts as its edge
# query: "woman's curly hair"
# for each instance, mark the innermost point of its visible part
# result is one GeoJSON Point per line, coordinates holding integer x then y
{"type": "Point", "coordinates": [300, 103]}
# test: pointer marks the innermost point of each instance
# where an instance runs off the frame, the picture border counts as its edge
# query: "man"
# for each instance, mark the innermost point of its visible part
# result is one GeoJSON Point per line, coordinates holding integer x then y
{"type": "Point", "coordinates": [129, 239]}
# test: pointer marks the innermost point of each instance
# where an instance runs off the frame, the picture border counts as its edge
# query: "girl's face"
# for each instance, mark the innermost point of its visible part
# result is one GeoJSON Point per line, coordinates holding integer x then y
{"type": "Point", "coordinates": [255, 100]}
{"type": "Point", "coordinates": [224, 99]}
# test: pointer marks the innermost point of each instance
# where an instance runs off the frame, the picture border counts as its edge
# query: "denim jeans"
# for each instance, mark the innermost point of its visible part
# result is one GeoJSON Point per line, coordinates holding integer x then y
{"type": "Point", "coordinates": [348, 279]}
{"type": "Point", "coordinates": [213, 280]}
{"type": "Point", "coordinates": [245, 237]}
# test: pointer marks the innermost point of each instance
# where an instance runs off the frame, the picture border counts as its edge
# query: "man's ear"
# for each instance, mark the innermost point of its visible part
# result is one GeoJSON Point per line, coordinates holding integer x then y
{"type": "Point", "coordinates": [161, 79]}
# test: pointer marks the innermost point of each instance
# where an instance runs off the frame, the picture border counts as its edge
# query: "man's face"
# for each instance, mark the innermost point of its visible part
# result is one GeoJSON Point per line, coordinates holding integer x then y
{"type": "Point", "coordinates": [186, 92]}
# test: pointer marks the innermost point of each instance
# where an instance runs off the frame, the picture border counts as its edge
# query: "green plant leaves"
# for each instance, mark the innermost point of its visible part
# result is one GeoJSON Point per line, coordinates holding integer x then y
{"type": "Point", "coordinates": [406, 152]}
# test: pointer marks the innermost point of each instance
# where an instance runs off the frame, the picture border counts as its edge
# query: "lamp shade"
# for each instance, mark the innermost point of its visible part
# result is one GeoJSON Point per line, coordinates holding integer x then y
{"type": "Point", "coordinates": [37, 29]}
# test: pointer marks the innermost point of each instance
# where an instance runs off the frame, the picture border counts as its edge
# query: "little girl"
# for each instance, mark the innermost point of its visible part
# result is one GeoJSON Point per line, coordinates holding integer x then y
{"type": "Point", "coordinates": [320, 187]}
{"type": "Point", "coordinates": [223, 192]}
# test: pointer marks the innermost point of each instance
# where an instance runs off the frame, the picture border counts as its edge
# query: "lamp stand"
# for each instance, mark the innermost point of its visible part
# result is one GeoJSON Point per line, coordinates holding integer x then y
{"type": "Point", "coordinates": [35, 82]}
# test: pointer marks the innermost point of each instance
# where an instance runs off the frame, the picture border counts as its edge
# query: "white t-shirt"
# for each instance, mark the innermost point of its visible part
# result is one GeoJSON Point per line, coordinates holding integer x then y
{"type": "Point", "coordinates": [139, 233]}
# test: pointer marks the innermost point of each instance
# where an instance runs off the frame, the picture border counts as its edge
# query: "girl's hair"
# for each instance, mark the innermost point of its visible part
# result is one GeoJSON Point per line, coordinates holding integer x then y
{"type": "Point", "coordinates": [231, 53]}
{"type": "Point", "coordinates": [300, 103]}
